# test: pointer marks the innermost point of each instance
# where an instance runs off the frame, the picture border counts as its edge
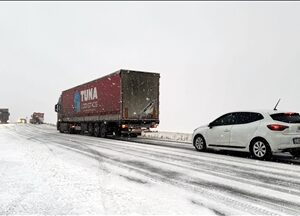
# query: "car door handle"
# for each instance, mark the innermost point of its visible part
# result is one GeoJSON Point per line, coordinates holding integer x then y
{"type": "Point", "coordinates": [226, 130]}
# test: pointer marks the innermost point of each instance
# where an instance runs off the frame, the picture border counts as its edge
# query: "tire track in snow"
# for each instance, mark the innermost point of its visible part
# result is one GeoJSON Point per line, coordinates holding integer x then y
{"type": "Point", "coordinates": [166, 179]}
{"type": "Point", "coordinates": [164, 175]}
{"type": "Point", "coordinates": [261, 177]}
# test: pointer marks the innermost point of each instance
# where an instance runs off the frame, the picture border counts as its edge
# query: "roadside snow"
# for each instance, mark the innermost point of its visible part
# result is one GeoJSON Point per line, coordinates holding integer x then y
{"type": "Point", "coordinates": [172, 136]}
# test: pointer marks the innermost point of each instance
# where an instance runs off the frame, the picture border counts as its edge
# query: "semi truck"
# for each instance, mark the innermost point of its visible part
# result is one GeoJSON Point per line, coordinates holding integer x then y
{"type": "Point", "coordinates": [125, 102]}
{"type": "Point", "coordinates": [4, 116]}
{"type": "Point", "coordinates": [37, 118]}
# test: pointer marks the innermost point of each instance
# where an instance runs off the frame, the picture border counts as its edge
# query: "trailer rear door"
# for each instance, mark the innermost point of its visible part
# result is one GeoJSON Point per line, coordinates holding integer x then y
{"type": "Point", "coordinates": [140, 95]}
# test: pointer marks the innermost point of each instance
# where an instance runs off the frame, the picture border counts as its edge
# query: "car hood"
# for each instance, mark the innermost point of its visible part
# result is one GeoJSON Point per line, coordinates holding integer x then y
{"type": "Point", "coordinates": [201, 127]}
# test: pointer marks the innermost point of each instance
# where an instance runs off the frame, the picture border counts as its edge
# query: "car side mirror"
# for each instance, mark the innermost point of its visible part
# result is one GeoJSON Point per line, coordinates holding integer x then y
{"type": "Point", "coordinates": [210, 125]}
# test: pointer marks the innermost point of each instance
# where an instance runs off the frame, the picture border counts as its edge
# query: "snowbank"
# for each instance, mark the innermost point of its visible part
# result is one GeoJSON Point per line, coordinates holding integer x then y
{"type": "Point", "coordinates": [173, 136]}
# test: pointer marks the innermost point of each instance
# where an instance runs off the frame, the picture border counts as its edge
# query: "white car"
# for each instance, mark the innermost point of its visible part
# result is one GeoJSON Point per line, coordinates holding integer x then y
{"type": "Point", "coordinates": [259, 132]}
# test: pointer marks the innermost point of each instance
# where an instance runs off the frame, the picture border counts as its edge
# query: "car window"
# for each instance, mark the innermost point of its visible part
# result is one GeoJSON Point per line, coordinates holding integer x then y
{"type": "Point", "coordinates": [247, 117]}
{"type": "Point", "coordinates": [227, 119]}
{"type": "Point", "coordinates": [256, 117]}
{"type": "Point", "coordinates": [286, 117]}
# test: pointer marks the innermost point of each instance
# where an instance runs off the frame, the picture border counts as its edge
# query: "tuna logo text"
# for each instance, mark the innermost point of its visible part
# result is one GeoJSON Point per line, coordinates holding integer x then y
{"type": "Point", "coordinates": [89, 94]}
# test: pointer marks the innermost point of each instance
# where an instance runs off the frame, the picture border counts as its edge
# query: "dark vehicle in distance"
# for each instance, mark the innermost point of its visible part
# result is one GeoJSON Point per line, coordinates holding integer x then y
{"type": "Point", "coordinates": [124, 102]}
{"type": "Point", "coordinates": [4, 116]}
{"type": "Point", "coordinates": [37, 118]}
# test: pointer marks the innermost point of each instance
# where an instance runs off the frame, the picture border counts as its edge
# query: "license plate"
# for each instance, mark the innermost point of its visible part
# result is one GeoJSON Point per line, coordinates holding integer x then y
{"type": "Point", "coordinates": [296, 140]}
{"type": "Point", "coordinates": [136, 130]}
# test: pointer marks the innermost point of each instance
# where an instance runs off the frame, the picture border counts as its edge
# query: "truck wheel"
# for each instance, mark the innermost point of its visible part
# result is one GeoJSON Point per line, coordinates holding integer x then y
{"type": "Point", "coordinates": [96, 130]}
{"type": "Point", "coordinates": [102, 131]}
{"type": "Point", "coordinates": [71, 130]}
{"type": "Point", "coordinates": [260, 149]}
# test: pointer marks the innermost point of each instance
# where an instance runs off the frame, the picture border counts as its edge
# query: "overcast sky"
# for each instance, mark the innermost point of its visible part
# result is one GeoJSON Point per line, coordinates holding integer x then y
{"type": "Point", "coordinates": [213, 57]}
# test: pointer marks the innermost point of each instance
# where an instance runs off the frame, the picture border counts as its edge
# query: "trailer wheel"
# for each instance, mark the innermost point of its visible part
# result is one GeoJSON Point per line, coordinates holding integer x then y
{"type": "Point", "coordinates": [96, 130]}
{"type": "Point", "coordinates": [103, 131]}
{"type": "Point", "coordinates": [90, 129]}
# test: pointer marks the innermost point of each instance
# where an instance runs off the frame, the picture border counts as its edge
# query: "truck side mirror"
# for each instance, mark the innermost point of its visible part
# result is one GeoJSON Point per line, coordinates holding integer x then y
{"type": "Point", "coordinates": [56, 108]}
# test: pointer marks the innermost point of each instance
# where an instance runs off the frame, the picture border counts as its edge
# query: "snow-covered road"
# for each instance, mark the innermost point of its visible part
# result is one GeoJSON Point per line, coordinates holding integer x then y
{"type": "Point", "coordinates": [45, 172]}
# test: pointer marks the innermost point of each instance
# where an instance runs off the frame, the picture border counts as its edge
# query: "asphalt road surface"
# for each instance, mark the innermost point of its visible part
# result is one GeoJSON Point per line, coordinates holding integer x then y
{"type": "Point", "coordinates": [45, 172]}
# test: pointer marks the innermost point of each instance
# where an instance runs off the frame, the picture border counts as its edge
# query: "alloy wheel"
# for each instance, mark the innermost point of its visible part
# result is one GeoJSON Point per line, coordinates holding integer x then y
{"type": "Point", "coordinates": [259, 149]}
{"type": "Point", "coordinates": [199, 143]}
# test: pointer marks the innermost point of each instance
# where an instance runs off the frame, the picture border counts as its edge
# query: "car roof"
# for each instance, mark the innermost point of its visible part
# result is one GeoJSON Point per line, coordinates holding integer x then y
{"type": "Point", "coordinates": [265, 111]}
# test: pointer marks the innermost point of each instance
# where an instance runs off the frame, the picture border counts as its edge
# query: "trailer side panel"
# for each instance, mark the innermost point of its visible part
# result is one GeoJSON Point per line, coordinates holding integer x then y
{"type": "Point", "coordinates": [93, 101]}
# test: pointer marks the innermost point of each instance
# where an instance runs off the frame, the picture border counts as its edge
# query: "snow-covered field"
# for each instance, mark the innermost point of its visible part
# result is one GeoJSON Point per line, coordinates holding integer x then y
{"type": "Point", "coordinates": [45, 172]}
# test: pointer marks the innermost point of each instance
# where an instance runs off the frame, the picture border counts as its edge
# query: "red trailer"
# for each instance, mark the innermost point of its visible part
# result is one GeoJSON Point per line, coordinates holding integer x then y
{"type": "Point", "coordinates": [124, 102]}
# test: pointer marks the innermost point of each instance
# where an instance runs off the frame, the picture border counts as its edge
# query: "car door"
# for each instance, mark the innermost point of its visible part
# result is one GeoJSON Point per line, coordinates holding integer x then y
{"type": "Point", "coordinates": [218, 134]}
{"type": "Point", "coordinates": [244, 129]}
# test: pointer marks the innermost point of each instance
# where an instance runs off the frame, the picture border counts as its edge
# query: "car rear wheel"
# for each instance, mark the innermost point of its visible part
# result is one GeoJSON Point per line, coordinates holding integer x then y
{"type": "Point", "coordinates": [261, 150]}
{"type": "Point", "coordinates": [199, 143]}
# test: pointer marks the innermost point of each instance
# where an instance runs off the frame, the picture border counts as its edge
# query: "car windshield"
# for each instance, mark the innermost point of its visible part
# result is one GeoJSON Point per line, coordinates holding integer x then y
{"type": "Point", "coordinates": [286, 117]}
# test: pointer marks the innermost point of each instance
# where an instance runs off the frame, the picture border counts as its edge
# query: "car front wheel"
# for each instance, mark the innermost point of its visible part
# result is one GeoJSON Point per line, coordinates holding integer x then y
{"type": "Point", "coordinates": [260, 149]}
{"type": "Point", "coordinates": [199, 143]}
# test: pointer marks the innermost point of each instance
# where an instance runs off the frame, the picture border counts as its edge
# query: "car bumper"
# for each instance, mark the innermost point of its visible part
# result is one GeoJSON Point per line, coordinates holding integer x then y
{"type": "Point", "coordinates": [283, 144]}
{"type": "Point", "coordinates": [287, 148]}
